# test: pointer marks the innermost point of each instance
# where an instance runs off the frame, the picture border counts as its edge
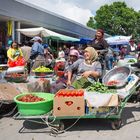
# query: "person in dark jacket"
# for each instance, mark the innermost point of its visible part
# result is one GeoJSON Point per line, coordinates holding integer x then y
{"type": "Point", "coordinates": [99, 43]}
{"type": "Point", "coordinates": [101, 46]}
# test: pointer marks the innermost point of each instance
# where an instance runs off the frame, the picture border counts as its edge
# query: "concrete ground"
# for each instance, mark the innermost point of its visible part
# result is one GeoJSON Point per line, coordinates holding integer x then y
{"type": "Point", "coordinates": [88, 129]}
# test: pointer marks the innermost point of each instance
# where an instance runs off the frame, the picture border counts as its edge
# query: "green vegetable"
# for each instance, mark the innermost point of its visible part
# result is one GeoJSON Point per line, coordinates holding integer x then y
{"type": "Point", "coordinates": [99, 87]}
{"type": "Point", "coordinates": [131, 61]}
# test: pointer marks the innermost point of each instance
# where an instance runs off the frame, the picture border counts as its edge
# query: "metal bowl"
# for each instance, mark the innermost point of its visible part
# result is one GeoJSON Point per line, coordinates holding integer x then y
{"type": "Point", "coordinates": [119, 74]}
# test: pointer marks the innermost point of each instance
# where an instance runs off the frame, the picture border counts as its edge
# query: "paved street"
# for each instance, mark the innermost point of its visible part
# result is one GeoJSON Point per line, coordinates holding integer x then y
{"type": "Point", "coordinates": [10, 129]}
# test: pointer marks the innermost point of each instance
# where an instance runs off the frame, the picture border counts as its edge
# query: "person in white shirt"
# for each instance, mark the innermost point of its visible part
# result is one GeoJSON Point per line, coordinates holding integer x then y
{"type": "Point", "coordinates": [133, 46]}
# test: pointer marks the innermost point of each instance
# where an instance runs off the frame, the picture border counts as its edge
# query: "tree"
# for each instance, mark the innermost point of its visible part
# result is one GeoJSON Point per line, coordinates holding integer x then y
{"type": "Point", "coordinates": [91, 23]}
{"type": "Point", "coordinates": [116, 19]}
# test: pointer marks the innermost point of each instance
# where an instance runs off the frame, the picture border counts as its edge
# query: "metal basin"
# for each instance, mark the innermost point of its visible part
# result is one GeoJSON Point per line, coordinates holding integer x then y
{"type": "Point", "coordinates": [119, 74]}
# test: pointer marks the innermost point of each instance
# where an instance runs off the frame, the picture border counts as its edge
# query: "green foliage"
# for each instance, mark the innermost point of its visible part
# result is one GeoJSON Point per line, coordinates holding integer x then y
{"type": "Point", "coordinates": [91, 23]}
{"type": "Point", "coordinates": [117, 19]}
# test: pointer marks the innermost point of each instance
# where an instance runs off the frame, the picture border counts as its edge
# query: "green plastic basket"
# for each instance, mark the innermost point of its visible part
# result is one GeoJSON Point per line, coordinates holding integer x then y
{"type": "Point", "coordinates": [35, 108]}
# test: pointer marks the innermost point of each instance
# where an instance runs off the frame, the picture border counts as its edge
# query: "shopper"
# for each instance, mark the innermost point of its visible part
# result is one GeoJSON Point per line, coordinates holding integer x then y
{"type": "Point", "coordinates": [37, 53]}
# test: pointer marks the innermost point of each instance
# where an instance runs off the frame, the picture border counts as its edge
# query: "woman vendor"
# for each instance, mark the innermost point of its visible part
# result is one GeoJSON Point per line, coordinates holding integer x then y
{"type": "Point", "coordinates": [14, 52]}
{"type": "Point", "coordinates": [88, 69]}
{"type": "Point", "coordinates": [61, 81]}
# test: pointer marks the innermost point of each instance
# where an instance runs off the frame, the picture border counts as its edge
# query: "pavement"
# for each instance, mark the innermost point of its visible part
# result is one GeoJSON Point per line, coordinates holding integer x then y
{"type": "Point", "coordinates": [90, 129]}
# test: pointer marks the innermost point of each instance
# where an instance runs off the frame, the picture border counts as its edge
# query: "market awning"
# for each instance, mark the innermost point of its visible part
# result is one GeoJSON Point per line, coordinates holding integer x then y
{"type": "Point", "coordinates": [64, 38]}
{"type": "Point", "coordinates": [31, 32]}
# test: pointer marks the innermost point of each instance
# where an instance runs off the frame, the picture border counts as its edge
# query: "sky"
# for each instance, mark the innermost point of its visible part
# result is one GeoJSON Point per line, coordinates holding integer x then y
{"type": "Point", "coordinates": [78, 10]}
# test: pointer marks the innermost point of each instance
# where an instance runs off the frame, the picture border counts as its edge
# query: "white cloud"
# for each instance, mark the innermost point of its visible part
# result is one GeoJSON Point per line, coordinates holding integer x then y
{"type": "Point", "coordinates": [94, 5]}
{"type": "Point", "coordinates": [78, 10]}
{"type": "Point", "coordinates": [68, 10]}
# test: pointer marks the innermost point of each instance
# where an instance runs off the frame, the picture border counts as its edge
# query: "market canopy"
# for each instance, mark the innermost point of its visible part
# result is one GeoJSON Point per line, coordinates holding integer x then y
{"type": "Point", "coordinates": [118, 40]}
{"type": "Point", "coordinates": [31, 32]}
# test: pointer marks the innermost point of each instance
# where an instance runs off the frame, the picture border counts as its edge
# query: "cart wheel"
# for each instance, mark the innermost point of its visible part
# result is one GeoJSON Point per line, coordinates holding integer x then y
{"type": "Point", "coordinates": [116, 124]}
{"type": "Point", "coordinates": [57, 128]}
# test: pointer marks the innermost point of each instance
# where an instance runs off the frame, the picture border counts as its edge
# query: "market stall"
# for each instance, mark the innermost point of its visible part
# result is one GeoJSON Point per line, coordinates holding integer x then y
{"type": "Point", "coordinates": [101, 100]}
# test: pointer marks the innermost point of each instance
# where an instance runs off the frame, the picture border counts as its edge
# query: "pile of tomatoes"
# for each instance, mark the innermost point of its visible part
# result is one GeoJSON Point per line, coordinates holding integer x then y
{"type": "Point", "coordinates": [113, 83]}
{"type": "Point", "coordinates": [30, 98]}
{"type": "Point", "coordinates": [70, 93]}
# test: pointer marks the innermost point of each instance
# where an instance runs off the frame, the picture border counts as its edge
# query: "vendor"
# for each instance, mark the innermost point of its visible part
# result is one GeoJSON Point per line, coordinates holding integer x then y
{"type": "Point", "coordinates": [14, 52]}
{"type": "Point", "coordinates": [88, 69]}
{"type": "Point", "coordinates": [61, 81]}
{"type": "Point", "coordinates": [37, 53]}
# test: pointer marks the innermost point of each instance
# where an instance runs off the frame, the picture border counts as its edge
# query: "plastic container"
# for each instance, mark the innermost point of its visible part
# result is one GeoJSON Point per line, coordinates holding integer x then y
{"type": "Point", "coordinates": [35, 108]}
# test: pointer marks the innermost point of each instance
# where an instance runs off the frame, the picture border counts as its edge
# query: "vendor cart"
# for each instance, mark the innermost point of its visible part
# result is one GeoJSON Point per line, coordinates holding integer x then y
{"type": "Point", "coordinates": [56, 123]}
{"type": "Point", "coordinates": [111, 113]}
{"type": "Point", "coordinates": [86, 111]}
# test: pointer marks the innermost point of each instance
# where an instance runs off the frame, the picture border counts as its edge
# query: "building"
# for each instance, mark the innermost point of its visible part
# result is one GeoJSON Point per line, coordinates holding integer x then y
{"type": "Point", "coordinates": [16, 14]}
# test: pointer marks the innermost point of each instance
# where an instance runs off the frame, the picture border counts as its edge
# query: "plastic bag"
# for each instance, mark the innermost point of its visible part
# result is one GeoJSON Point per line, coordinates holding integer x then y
{"type": "Point", "coordinates": [19, 62]}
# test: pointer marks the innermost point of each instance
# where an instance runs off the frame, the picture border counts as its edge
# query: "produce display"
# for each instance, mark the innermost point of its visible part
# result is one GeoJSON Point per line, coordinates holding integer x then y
{"type": "Point", "coordinates": [30, 98]}
{"type": "Point", "coordinates": [131, 61]}
{"type": "Point", "coordinates": [70, 93]}
{"type": "Point", "coordinates": [100, 88]}
{"type": "Point", "coordinates": [42, 69]}
{"type": "Point", "coordinates": [113, 83]}
{"type": "Point", "coordinates": [14, 75]}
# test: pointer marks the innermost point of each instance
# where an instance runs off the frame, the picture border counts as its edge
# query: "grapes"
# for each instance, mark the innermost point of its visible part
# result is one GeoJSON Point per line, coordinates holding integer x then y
{"type": "Point", "coordinates": [42, 69]}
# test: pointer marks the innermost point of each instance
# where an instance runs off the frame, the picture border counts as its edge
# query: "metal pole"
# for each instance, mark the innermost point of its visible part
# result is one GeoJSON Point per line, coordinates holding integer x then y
{"type": "Point", "coordinates": [18, 33]}
{"type": "Point", "coordinates": [13, 30]}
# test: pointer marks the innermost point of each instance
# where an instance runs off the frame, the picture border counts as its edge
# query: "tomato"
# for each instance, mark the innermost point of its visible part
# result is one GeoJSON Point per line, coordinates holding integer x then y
{"type": "Point", "coordinates": [80, 92]}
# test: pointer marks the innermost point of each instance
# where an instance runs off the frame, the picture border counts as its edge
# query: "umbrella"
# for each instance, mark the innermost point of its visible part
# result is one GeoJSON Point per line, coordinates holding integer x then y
{"type": "Point", "coordinates": [118, 40]}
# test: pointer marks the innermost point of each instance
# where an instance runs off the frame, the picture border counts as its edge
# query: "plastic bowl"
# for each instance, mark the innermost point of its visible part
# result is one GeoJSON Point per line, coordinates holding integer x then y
{"type": "Point", "coordinates": [35, 108]}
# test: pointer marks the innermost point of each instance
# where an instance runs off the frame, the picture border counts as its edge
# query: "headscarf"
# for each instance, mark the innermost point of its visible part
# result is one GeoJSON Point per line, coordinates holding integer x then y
{"type": "Point", "coordinates": [74, 52]}
{"type": "Point", "coordinates": [93, 55]}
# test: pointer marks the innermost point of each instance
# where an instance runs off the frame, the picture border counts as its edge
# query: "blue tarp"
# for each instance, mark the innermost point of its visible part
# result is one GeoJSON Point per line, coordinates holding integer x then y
{"type": "Point", "coordinates": [84, 41]}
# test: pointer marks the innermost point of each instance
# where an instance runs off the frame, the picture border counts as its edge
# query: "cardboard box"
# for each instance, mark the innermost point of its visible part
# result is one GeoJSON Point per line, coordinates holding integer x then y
{"type": "Point", "coordinates": [68, 105]}
{"type": "Point", "coordinates": [110, 108]}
